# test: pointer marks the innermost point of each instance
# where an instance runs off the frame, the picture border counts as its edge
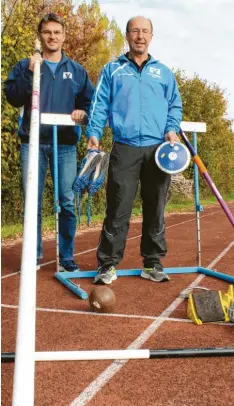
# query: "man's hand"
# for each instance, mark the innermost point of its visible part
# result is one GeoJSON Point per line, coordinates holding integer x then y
{"type": "Point", "coordinates": [172, 137]}
{"type": "Point", "coordinates": [33, 59]}
{"type": "Point", "coordinates": [93, 143]}
{"type": "Point", "coordinates": [79, 116]}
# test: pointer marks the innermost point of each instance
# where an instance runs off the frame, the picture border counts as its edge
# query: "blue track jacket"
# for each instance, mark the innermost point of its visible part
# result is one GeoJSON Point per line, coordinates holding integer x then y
{"type": "Point", "coordinates": [68, 89]}
{"type": "Point", "coordinates": [141, 106]}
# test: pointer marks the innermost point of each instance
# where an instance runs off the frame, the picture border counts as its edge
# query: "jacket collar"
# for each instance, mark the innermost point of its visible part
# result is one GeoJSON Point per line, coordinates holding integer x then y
{"type": "Point", "coordinates": [64, 58]}
{"type": "Point", "coordinates": [123, 58]}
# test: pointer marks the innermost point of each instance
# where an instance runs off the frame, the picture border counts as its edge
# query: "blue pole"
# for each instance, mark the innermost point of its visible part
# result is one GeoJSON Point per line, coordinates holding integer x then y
{"type": "Point", "coordinates": [70, 285]}
{"type": "Point", "coordinates": [219, 275]}
{"type": "Point", "coordinates": [78, 206]}
{"type": "Point", "coordinates": [89, 210]}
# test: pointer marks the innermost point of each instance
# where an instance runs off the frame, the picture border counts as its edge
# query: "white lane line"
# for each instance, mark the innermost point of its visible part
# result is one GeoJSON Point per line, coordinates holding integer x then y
{"type": "Point", "coordinates": [220, 256]}
{"type": "Point", "coordinates": [129, 316]}
{"type": "Point", "coordinates": [94, 387]}
{"type": "Point", "coordinates": [10, 274]}
{"type": "Point", "coordinates": [83, 313]}
{"type": "Point", "coordinates": [95, 249]}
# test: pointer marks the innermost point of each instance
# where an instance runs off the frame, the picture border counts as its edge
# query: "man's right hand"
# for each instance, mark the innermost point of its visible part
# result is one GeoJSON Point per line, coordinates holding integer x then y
{"type": "Point", "coordinates": [35, 57]}
{"type": "Point", "coordinates": [93, 143]}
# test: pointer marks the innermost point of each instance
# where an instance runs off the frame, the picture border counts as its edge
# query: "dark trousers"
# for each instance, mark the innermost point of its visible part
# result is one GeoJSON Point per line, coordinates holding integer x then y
{"type": "Point", "coordinates": [127, 166]}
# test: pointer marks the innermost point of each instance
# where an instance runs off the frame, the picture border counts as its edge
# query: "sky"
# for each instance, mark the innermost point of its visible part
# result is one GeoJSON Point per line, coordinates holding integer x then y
{"type": "Point", "coordinates": [196, 36]}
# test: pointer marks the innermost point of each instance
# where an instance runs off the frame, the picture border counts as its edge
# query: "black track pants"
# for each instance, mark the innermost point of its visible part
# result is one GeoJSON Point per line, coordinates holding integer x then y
{"type": "Point", "coordinates": [127, 166]}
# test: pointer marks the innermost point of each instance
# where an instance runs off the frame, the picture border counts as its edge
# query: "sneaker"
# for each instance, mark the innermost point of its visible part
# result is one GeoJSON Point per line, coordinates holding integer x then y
{"type": "Point", "coordinates": [87, 167]}
{"type": "Point", "coordinates": [98, 177]}
{"type": "Point", "coordinates": [68, 266]}
{"type": "Point", "coordinates": [105, 275]}
{"type": "Point", "coordinates": [155, 274]}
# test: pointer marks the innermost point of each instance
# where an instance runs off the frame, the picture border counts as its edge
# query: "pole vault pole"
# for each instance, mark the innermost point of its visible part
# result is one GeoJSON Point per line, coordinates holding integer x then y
{"type": "Point", "coordinates": [57, 208]}
{"type": "Point", "coordinates": [23, 386]}
{"type": "Point", "coordinates": [207, 177]}
{"type": "Point", "coordinates": [95, 355]}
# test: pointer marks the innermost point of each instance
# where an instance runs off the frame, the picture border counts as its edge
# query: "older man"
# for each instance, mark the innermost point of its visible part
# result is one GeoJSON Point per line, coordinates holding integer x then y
{"type": "Point", "coordinates": [140, 97]}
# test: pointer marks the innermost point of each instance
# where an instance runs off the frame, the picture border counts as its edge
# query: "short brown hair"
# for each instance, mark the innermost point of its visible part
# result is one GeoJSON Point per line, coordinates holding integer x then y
{"type": "Point", "coordinates": [50, 17]}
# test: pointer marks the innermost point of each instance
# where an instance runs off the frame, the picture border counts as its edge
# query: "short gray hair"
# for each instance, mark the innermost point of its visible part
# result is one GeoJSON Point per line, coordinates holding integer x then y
{"type": "Point", "coordinates": [133, 18]}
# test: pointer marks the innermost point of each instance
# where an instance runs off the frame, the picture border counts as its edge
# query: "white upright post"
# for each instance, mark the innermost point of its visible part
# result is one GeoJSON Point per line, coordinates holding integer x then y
{"type": "Point", "coordinates": [194, 127]}
{"type": "Point", "coordinates": [23, 388]}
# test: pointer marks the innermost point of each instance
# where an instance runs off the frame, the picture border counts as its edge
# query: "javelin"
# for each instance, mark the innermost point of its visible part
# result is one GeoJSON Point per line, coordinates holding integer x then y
{"type": "Point", "coordinates": [207, 177]}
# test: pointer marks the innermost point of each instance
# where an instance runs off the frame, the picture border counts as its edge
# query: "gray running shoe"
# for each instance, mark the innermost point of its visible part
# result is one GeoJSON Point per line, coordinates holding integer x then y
{"type": "Point", "coordinates": [155, 274]}
{"type": "Point", "coordinates": [105, 275]}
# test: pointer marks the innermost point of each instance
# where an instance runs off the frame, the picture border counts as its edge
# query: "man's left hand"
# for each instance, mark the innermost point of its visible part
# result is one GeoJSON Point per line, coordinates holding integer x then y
{"type": "Point", "coordinates": [79, 116]}
{"type": "Point", "coordinates": [172, 137]}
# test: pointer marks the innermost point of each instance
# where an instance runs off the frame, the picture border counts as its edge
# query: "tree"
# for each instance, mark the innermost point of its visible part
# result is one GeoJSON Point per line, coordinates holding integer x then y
{"type": "Point", "coordinates": [204, 102]}
{"type": "Point", "coordinates": [91, 40]}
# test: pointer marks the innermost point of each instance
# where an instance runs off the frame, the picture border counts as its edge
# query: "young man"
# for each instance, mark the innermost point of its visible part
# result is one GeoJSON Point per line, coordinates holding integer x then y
{"type": "Point", "coordinates": [66, 89]}
{"type": "Point", "coordinates": [140, 97]}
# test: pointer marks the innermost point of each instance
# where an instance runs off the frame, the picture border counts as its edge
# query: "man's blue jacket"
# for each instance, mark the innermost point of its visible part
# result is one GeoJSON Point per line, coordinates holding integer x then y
{"type": "Point", "coordinates": [141, 106]}
{"type": "Point", "coordinates": [68, 89]}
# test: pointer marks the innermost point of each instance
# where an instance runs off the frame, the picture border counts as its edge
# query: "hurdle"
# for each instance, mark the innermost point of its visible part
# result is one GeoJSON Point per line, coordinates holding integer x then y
{"type": "Point", "coordinates": [55, 120]}
{"type": "Point", "coordinates": [26, 356]}
{"type": "Point", "coordinates": [64, 277]}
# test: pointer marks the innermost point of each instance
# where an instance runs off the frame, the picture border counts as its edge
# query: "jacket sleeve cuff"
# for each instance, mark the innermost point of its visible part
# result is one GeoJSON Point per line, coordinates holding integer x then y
{"type": "Point", "coordinates": [171, 129]}
{"type": "Point", "coordinates": [92, 135]}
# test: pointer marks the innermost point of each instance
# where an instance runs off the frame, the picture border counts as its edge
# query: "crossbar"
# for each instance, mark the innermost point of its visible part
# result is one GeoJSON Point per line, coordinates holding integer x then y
{"type": "Point", "coordinates": [57, 119]}
{"type": "Point", "coordinates": [65, 119]}
{"type": "Point", "coordinates": [97, 355]}
{"type": "Point", "coordinates": [191, 127]}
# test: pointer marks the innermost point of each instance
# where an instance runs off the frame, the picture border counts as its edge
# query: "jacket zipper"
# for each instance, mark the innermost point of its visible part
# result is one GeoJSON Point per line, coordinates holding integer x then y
{"type": "Point", "coordinates": [140, 109]}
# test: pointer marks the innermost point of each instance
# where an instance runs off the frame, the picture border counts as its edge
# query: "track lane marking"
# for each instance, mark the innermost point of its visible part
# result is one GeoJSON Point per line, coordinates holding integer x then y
{"type": "Point", "coordinates": [96, 385]}
{"type": "Point", "coordinates": [95, 249]}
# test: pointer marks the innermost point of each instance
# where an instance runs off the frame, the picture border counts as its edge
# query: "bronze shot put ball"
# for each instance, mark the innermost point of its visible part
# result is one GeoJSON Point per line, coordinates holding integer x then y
{"type": "Point", "coordinates": [102, 299]}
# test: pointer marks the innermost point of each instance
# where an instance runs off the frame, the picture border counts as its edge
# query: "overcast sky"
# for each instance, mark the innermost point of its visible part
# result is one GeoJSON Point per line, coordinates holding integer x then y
{"type": "Point", "coordinates": [196, 36]}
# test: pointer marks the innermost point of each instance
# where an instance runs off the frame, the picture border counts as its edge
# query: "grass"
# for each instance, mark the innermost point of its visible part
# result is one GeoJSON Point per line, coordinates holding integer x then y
{"type": "Point", "coordinates": [14, 231]}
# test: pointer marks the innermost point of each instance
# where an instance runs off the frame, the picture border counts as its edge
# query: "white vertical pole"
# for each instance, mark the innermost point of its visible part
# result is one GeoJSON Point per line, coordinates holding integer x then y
{"type": "Point", "coordinates": [23, 387]}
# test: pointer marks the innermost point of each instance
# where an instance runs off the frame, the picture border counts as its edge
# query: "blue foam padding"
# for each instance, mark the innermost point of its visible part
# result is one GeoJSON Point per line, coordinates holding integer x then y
{"type": "Point", "coordinates": [219, 275]}
{"type": "Point", "coordinates": [125, 272]}
{"type": "Point", "coordinates": [71, 286]}
{"type": "Point", "coordinates": [64, 277]}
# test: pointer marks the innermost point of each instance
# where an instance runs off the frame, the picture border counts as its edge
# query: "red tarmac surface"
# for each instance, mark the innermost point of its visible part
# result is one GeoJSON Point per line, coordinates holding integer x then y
{"type": "Point", "coordinates": [156, 382]}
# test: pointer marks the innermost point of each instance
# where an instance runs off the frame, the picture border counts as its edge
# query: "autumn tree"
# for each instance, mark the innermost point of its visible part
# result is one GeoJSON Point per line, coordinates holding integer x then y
{"type": "Point", "coordinates": [205, 102]}
{"type": "Point", "coordinates": [91, 39]}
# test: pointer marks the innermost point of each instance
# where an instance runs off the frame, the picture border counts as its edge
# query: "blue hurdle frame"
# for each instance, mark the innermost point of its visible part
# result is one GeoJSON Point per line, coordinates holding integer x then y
{"type": "Point", "coordinates": [64, 277]}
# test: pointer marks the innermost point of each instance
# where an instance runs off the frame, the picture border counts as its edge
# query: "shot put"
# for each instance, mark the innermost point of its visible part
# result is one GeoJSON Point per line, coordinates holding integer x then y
{"type": "Point", "coordinates": [102, 299]}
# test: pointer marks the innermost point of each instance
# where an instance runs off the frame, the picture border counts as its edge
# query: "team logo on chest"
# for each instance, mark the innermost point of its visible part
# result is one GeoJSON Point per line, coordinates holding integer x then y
{"type": "Point", "coordinates": [67, 75]}
{"type": "Point", "coordinates": [154, 72]}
